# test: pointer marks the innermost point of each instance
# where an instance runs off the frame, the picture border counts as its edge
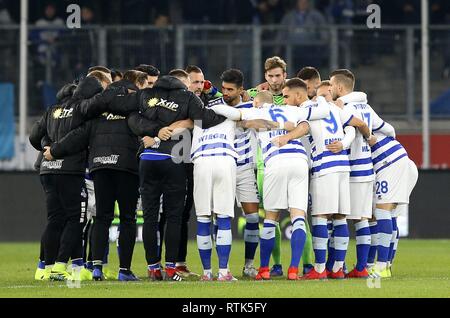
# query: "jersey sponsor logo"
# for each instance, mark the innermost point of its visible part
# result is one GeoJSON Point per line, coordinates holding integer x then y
{"type": "Point", "coordinates": [152, 102]}
{"type": "Point", "coordinates": [112, 159]}
{"type": "Point", "coordinates": [53, 165]}
{"type": "Point", "coordinates": [331, 140]}
{"type": "Point", "coordinates": [212, 136]}
{"type": "Point", "coordinates": [61, 113]}
{"type": "Point", "coordinates": [360, 106]}
{"type": "Point", "coordinates": [110, 116]}
{"type": "Point", "coordinates": [162, 103]}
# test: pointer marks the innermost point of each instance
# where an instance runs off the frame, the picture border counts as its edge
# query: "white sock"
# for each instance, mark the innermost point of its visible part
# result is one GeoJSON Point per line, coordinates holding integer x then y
{"type": "Point", "coordinates": [319, 267]}
{"type": "Point", "coordinates": [381, 266]}
{"type": "Point", "coordinates": [223, 271]}
{"type": "Point", "coordinates": [248, 263]}
{"type": "Point", "coordinates": [337, 266]}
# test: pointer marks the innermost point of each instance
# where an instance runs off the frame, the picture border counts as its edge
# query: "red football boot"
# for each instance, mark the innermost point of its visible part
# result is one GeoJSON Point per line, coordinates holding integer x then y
{"type": "Point", "coordinates": [293, 273]}
{"type": "Point", "coordinates": [312, 275]}
{"type": "Point", "coordinates": [358, 274]}
{"type": "Point", "coordinates": [263, 273]}
{"type": "Point", "coordinates": [337, 275]}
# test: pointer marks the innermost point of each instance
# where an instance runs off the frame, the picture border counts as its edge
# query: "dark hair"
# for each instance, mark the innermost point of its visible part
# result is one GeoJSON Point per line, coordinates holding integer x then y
{"type": "Point", "coordinates": [308, 73]}
{"type": "Point", "coordinates": [233, 76]}
{"type": "Point", "coordinates": [193, 68]}
{"type": "Point", "coordinates": [100, 68]}
{"type": "Point", "coordinates": [179, 73]}
{"type": "Point", "coordinates": [115, 73]}
{"type": "Point", "coordinates": [345, 77]}
{"type": "Point", "coordinates": [295, 83]}
{"type": "Point", "coordinates": [135, 77]}
{"type": "Point", "coordinates": [150, 70]}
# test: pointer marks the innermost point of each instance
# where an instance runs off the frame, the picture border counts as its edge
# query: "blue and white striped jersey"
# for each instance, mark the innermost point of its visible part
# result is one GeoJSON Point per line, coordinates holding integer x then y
{"type": "Point", "coordinates": [294, 149]}
{"type": "Point", "coordinates": [324, 132]}
{"type": "Point", "coordinates": [387, 150]}
{"type": "Point", "coordinates": [243, 143]}
{"type": "Point", "coordinates": [214, 141]}
{"type": "Point", "coordinates": [243, 138]}
{"type": "Point", "coordinates": [360, 155]}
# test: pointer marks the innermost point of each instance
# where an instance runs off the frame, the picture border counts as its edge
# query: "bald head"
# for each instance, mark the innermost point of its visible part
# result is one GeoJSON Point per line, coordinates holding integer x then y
{"type": "Point", "coordinates": [263, 97]}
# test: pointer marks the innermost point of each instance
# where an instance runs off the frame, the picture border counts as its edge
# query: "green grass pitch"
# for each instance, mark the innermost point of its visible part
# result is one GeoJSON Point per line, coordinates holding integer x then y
{"type": "Point", "coordinates": [421, 269]}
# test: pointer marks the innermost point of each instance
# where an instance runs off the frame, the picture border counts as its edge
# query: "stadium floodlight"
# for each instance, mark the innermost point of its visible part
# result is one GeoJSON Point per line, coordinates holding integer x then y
{"type": "Point", "coordinates": [425, 87]}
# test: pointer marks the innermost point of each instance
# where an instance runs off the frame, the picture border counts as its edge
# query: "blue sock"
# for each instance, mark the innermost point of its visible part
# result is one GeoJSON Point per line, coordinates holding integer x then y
{"type": "Point", "coordinates": [154, 266]}
{"type": "Point", "coordinates": [170, 265]}
{"type": "Point", "coordinates": [267, 242]}
{"type": "Point", "coordinates": [373, 242]}
{"type": "Point", "coordinates": [330, 246]}
{"type": "Point", "coordinates": [41, 265]}
{"type": "Point", "coordinates": [320, 241]}
{"type": "Point", "coordinates": [341, 238]}
{"type": "Point", "coordinates": [297, 240]}
{"type": "Point", "coordinates": [204, 242]}
{"type": "Point", "coordinates": [251, 235]}
{"type": "Point", "coordinates": [362, 244]}
{"type": "Point", "coordinates": [384, 225]}
{"type": "Point", "coordinates": [394, 240]}
{"type": "Point", "coordinates": [223, 240]}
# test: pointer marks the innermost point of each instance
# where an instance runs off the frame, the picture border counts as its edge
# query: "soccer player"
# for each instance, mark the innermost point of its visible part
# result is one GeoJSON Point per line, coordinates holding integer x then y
{"type": "Point", "coordinates": [362, 175]}
{"type": "Point", "coordinates": [396, 176]}
{"type": "Point", "coordinates": [112, 150]}
{"type": "Point", "coordinates": [286, 177]}
{"type": "Point", "coordinates": [199, 86]}
{"type": "Point", "coordinates": [151, 71]}
{"type": "Point", "coordinates": [311, 76]}
{"type": "Point", "coordinates": [246, 190]}
{"type": "Point", "coordinates": [162, 170]}
{"type": "Point", "coordinates": [329, 187]}
{"type": "Point", "coordinates": [275, 75]}
{"type": "Point", "coordinates": [63, 179]}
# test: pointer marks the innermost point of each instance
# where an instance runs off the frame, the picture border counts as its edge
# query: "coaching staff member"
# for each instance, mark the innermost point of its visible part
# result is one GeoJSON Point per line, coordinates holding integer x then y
{"type": "Point", "coordinates": [160, 171]}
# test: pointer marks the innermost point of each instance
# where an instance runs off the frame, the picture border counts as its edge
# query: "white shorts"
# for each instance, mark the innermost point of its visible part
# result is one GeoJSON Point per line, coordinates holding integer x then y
{"type": "Point", "coordinates": [361, 198]}
{"type": "Point", "coordinates": [246, 188]}
{"type": "Point", "coordinates": [286, 184]}
{"type": "Point", "coordinates": [214, 185]}
{"type": "Point", "coordinates": [330, 194]}
{"type": "Point", "coordinates": [91, 210]}
{"type": "Point", "coordinates": [395, 183]}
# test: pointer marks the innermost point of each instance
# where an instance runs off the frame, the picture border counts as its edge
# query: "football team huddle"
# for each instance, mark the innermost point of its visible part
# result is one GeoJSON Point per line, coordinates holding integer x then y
{"type": "Point", "coordinates": [302, 145]}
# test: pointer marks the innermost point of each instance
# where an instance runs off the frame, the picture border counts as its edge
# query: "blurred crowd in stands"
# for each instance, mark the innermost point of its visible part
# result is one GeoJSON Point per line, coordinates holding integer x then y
{"type": "Point", "coordinates": [163, 12]}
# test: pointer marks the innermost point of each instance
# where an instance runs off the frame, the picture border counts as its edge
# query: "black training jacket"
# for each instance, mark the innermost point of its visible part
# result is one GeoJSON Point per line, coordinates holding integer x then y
{"type": "Point", "coordinates": [166, 102]}
{"type": "Point", "coordinates": [112, 145]}
{"type": "Point", "coordinates": [88, 101]}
